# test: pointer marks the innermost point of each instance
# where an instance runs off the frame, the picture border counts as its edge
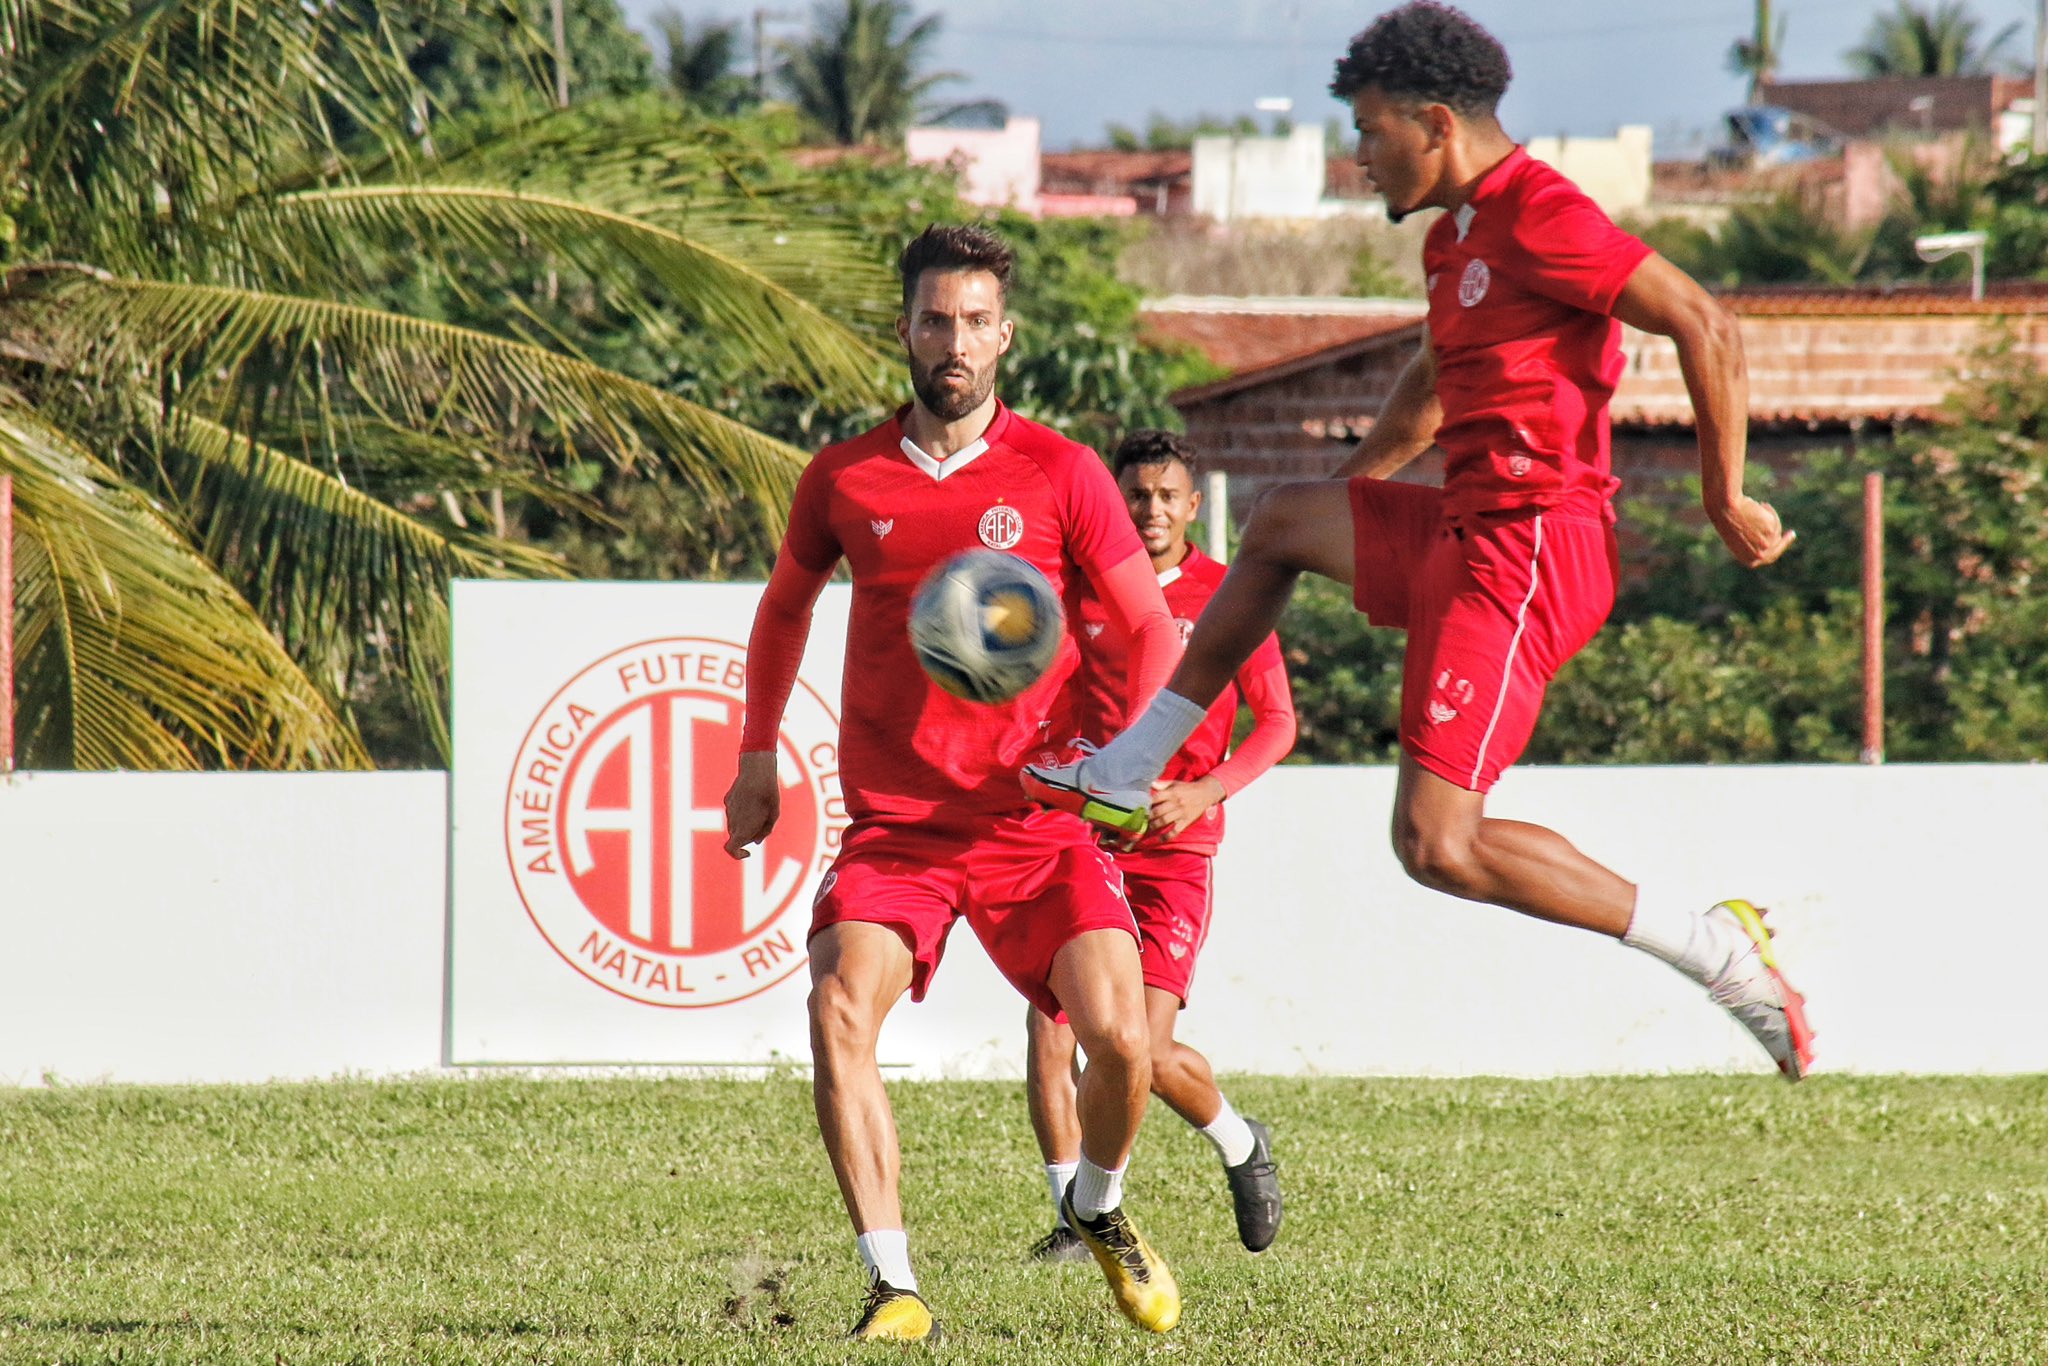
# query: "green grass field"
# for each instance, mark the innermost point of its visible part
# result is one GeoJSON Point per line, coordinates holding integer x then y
{"type": "Point", "coordinates": [1696, 1219]}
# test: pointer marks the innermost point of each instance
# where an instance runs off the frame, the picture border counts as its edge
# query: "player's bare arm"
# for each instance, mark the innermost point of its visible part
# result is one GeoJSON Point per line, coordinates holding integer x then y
{"type": "Point", "coordinates": [1406, 424]}
{"type": "Point", "coordinates": [1663, 299]}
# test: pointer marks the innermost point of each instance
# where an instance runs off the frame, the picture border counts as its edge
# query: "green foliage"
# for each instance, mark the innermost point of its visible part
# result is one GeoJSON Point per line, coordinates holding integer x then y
{"type": "Point", "coordinates": [1780, 688]}
{"type": "Point", "coordinates": [316, 330]}
{"type": "Point", "coordinates": [859, 78]}
{"type": "Point", "coordinates": [699, 65]}
{"type": "Point", "coordinates": [1938, 39]}
{"type": "Point", "coordinates": [1165, 134]}
{"type": "Point", "coordinates": [1346, 678]}
{"type": "Point", "coordinates": [1706, 662]}
{"type": "Point", "coordinates": [1782, 241]}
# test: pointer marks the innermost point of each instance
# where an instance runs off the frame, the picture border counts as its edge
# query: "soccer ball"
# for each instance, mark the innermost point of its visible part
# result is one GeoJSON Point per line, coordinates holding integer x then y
{"type": "Point", "coordinates": [985, 625]}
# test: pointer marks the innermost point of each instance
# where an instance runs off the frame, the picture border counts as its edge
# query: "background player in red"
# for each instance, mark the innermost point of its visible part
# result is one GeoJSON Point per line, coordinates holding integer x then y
{"type": "Point", "coordinates": [1508, 569]}
{"type": "Point", "coordinates": [1167, 875]}
{"type": "Point", "coordinates": [938, 826]}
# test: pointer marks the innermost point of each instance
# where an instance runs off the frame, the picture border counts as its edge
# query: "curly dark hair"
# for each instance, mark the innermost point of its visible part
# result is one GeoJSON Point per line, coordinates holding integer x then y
{"type": "Point", "coordinates": [1152, 447]}
{"type": "Point", "coordinates": [956, 246]}
{"type": "Point", "coordinates": [1429, 52]}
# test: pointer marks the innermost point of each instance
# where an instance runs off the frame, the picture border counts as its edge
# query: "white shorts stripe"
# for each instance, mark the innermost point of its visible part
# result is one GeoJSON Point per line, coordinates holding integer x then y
{"type": "Point", "coordinates": [1500, 699]}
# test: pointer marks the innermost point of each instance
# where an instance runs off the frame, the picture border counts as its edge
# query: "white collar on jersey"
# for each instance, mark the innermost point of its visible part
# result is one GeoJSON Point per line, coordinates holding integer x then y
{"type": "Point", "coordinates": [952, 464]}
{"type": "Point", "coordinates": [1169, 576]}
{"type": "Point", "coordinates": [1463, 218]}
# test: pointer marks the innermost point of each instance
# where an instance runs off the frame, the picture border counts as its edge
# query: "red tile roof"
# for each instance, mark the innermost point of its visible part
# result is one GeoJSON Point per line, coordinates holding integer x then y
{"type": "Point", "coordinates": [1258, 336]}
{"type": "Point", "coordinates": [1111, 172]}
{"type": "Point", "coordinates": [2004, 297]}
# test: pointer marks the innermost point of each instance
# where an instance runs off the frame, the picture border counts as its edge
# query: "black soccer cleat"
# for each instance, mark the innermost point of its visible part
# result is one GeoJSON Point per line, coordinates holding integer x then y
{"type": "Point", "coordinates": [1060, 1245]}
{"type": "Point", "coordinates": [1255, 1191]}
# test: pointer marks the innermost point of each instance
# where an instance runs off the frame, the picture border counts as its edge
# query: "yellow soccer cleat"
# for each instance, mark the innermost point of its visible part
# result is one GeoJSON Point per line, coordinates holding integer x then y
{"type": "Point", "coordinates": [892, 1315]}
{"type": "Point", "coordinates": [1144, 1288]}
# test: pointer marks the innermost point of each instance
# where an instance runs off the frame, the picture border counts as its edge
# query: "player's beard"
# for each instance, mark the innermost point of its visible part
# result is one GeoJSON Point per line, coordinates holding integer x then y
{"type": "Point", "coordinates": [951, 403]}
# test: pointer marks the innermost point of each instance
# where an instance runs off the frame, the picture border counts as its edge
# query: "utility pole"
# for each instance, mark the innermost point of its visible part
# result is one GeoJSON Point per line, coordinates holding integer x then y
{"type": "Point", "coordinates": [762, 18]}
{"type": "Point", "coordinates": [561, 57]}
{"type": "Point", "coordinates": [2041, 79]}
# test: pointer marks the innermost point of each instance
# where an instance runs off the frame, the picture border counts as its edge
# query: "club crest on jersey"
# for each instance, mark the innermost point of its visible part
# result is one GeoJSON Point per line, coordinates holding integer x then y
{"type": "Point", "coordinates": [1093, 628]}
{"type": "Point", "coordinates": [1001, 527]}
{"type": "Point", "coordinates": [1185, 627]}
{"type": "Point", "coordinates": [881, 528]}
{"type": "Point", "coordinates": [1472, 284]}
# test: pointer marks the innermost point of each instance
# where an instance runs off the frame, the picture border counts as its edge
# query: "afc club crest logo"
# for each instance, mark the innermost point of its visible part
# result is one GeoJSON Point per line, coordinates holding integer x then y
{"type": "Point", "coordinates": [615, 826]}
{"type": "Point", "coordinates": [1001, 527]}
{"type": "Point", "coordinates": [1472, 284]}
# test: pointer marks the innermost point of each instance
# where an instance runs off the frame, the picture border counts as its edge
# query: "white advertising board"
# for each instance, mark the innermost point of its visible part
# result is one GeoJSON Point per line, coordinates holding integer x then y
{"type": "Point", "coordinates": [594, 916]}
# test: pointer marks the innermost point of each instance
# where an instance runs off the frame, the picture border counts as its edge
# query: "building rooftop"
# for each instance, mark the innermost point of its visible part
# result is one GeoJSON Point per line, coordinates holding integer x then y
{"type": "Point", "coordinates": [1250, 337]}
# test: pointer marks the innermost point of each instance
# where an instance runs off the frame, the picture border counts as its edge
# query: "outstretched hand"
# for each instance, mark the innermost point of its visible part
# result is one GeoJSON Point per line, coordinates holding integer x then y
{"type": "Point", "coordinates": [1176, 806]}
{"type": "Point", "coordinates": [752, 803]}
{"type": "Point", "coordinates": [1751, 531]}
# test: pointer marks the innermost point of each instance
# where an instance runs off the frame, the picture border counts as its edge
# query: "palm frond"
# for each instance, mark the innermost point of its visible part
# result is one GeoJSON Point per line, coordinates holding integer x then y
{"type": "Point", "coordinates": [736, 291]}
{"type": "Point", "coordinates": [134, 652]}
{"type": "Point", "coordinates": [431, 376]}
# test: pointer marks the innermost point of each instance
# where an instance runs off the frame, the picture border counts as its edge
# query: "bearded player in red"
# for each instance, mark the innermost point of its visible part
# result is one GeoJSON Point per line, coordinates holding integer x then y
{"type": "Point", "coordinates": [938, 825]}
{"type": "Point", "coordinates": [1509, 569]}
{"type": "Point", "coordinates": [1167, 874]}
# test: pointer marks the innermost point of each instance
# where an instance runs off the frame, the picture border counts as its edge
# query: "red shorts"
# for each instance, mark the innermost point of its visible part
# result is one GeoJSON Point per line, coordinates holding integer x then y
{"type": "Point", "coordinates": [1027, 884]}
{"type": "Point", "coordinates": [1493, 608]}
{"type": "Point", "coordinates": [1170, 893]}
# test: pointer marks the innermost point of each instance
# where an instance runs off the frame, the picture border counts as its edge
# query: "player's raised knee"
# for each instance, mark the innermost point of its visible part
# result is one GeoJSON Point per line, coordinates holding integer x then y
{"type": "Point", "coordinates": [1440, 859]}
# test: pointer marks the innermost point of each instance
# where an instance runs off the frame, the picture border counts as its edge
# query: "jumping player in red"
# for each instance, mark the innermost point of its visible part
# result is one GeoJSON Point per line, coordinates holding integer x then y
{"type": "Point", "coordinates": [1508, 569]}
{"type": "Point", "coordinates": [938, 825]}
{"type": "Point", "coordinates": [1167, 875]}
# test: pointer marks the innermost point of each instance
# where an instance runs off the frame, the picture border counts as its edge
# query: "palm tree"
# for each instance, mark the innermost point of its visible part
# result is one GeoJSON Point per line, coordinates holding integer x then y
{"type": "Point", "coordinates": [856, 78]}
{"type": "Point", "coordinates": [1758, 55]}
{"type": "Point", "coordinates": [1940, 39]}
{"type": "Point", "coordinates": [247, 456]}
{"type": "Point", "coordinates": [700, 67]}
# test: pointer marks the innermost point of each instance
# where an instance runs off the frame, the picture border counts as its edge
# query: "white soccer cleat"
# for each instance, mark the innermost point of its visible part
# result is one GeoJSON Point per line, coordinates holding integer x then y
{"type": "Point", "coordinates": [1065, 787]}
{"type": "Point", "coordinates": [1756, 993]}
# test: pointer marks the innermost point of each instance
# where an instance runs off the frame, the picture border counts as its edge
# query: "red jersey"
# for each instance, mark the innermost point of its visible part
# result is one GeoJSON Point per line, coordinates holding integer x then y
{"type": "Point", "coordinates": [1101, 702]}
{"type": "Point", "coordinates": [1521, 282]}
{"type": "Point", "coordinates": [908, 750]}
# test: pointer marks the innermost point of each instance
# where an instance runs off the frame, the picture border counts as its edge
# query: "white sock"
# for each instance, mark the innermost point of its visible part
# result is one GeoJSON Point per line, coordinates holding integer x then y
{"type": "Point", "coordinates": [1140, 754]}
{"type": "Point", "coordinates": [1680, 934]}
{"type": "Point", "coordinates": [1058, 1176]}
{"type": "Point", "coordinates": [1097, 1190]}
{"type": "Point", "coordinates": [886, 1254]}
{"type": "Point", "coordinates": [1231, 1135]}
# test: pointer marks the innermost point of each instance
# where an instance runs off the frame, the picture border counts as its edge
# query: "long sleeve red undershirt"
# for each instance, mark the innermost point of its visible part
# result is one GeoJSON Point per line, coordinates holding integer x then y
{"type": "Point", "coordinates": [1266, 692]}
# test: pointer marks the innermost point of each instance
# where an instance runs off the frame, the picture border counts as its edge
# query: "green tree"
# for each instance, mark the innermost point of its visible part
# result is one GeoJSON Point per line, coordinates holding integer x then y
{"type": "Point", "coordinates": [1757, 56]}
{"type": "Point", "coordinates": [1939, 39]}
{"type": "Point", "coordinates": [1706, 662]}
{"type": "Point", "coordinates": [274, 352]}
{"type": "Point", "coordinates": [699, 65]}
{"type": "Point", "coordinates": [859, 77]}
{"type": "Point", "coordinates": [470, 54]}
{"type": "Point", "coordinates": [1165, 134]}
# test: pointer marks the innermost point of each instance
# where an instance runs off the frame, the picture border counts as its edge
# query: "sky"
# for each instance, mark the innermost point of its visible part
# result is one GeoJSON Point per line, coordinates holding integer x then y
{"type": "Point", "coordinates": [1582, 67]}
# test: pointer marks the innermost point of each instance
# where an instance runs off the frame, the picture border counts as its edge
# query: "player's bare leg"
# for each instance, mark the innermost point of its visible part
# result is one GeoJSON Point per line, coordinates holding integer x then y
{"type": "Point", "coordinates": [1098, 982]}
{"type": "Point", "coordinates": [1052, 1072]}
{"type": "Point", "coordinates": [858, 972]}
{"type": "Point", "coordinates": [1101, 987]}
{"type": "Point", "coordinates": [1446, 841]}
{"type": "Point", "coordinates": [1295, 529]}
